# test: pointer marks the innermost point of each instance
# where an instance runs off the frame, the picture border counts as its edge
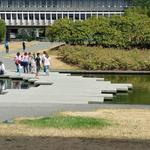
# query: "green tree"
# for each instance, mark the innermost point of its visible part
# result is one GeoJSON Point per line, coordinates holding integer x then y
{"type": "Point", "coordinates": [145, 3]}
{"type": "Point", "coordinates": [26, 34]}
{"type": "Point", "coordinates": [2, 30]}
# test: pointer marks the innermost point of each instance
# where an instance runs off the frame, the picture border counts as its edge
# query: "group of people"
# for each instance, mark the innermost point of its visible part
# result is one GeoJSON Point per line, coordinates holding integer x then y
{"type": "Point", "coordinates": [32, 63]}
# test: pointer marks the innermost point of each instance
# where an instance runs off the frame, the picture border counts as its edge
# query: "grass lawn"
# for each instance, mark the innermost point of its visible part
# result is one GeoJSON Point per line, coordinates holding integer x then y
{"type": "Point", "coordinates": [70, 122]}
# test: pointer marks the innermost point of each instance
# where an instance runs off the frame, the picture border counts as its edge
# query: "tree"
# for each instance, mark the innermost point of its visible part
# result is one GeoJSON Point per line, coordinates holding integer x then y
{"type": "Point", "coordinates": [2, 30]}
{"type": "Point", "coordinates": [143, 3]}
{"type": "Point", "coordinates": [26, 34]}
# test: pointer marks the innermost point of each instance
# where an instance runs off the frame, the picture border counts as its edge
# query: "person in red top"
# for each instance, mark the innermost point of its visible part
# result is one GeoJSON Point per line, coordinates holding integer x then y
{"type": "Point", "coordinates": [25, 62]}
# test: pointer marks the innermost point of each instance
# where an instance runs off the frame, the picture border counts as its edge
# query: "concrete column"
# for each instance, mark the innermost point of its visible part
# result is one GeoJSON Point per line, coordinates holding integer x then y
{"type": "Point", "coordinates": [34, 18]}
{"type": "Point", "coordinates": [56, 15]}
{"type": "Point", "coordinates": [97, 14]}
{"type": "Point", "coordinates": [73, 16]}
{"type": "Point", "coordinates": [51, 18]}
{"type": "Point", "coordinates": [62, 15]}
{"type": "Point", "coordinates": [85, 15]}
{"type": "Point", "coordinates": [17, 22]}
{"type": "Point", "coordinates": [28, 20]}
{"type": "Point", "coordinates": [102, 13]}
{"type": "Point", "coordinates": [22, 19]}
{"type": "Point", "coordinates": [39, 19]}
{"type": "Point", "coordinates": [79, 15]}
{"type": "Point", "coordinates": [5, 17]}
{"type": "Point", "coordinates": [37, 33]}
{"type": "Point", "coordinates": [45, 20]}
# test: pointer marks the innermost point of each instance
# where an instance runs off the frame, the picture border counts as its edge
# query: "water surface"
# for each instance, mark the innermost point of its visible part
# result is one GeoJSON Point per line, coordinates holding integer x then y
{"type": "Point", "coordinates": [141, 88]}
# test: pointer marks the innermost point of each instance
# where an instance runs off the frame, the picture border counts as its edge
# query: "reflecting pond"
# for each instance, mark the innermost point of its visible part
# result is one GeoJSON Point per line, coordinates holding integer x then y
{"type": "Point", "coordinates": [141, 88]}
{"type": "Point", "coordinates": [13, 84]}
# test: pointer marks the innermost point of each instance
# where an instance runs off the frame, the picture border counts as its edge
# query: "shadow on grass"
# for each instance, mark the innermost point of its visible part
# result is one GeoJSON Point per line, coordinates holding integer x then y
{"type": "Point", "coordinates": [70, 143]}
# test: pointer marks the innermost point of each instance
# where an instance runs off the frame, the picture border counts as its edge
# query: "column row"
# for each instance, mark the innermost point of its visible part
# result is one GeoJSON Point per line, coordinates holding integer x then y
{"type": "Point", "coordinates": [46, 18]}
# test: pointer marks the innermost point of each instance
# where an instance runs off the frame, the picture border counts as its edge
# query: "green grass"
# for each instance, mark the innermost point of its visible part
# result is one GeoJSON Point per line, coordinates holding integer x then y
{"type": "Point", "coordinates": [67, 122]}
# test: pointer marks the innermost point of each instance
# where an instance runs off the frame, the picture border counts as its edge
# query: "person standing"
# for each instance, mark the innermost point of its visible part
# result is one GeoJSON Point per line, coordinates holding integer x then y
{"type": "Point", "coordinates": [25, 62]}
{"type": "Point", "coordinates": [38, 64]}
{"type": "Point", "coordinates": [46, 64]}
{"type": "Point", "coordinates": [30, 57]}
{"type": "Point", "coordinates": [43, 59]}
{"type": "Point", "coordinates": [17, 60]}
{"type": "Point", "coordinates": [7, 46]}
{"type": "Point", "coordinates": [24, 46]}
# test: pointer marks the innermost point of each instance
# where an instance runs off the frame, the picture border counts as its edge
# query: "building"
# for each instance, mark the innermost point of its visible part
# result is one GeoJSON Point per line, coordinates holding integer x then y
{"type": "Point", "coordinates": [17, 13]}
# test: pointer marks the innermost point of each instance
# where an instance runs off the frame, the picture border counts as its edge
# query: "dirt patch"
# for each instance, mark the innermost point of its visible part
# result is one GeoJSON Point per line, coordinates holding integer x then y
{"type": "Point", "coordinates": [129, 132]}
{"type": "Point", "coordinates": [58, 64]}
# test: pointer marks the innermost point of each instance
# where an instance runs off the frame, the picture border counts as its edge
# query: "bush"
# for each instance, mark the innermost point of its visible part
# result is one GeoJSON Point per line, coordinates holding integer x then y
{"type": "Point", "coordinates": [97, 58]}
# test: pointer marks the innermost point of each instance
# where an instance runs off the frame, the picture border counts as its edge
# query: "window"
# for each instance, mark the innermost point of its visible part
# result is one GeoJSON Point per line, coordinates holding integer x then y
{"type": "Point", "coordinates": [59, 16]}
{"type": "Point", "coordinates": [25, 16]}
{"type": "Point", "coordinates": [3, 16]}
{"type": "Point", "coordinates": [65, 15]}
{"type": "Point", "coordinates": [8, 16]}
{"type": "Point", "coordinates": [31, 16]}
{"type": "Point", "coordinates": [88, 16]}
{"type": "Point", "coordinates": [20, 16]}
{"type": "Point", "coordinates": [71, 16]}
{"type": "Point", "coordinates": [48, 17]}
{"type": "Point", "coordinates": [42, 17]}
{"type": "Point", "coordinates": [54, 16]}
{"type": "Point", "coordinates": [77, 16]}
{"type": "Point", "coordinates": [36, 16]}
{"type": "Point", "coordinates": [14, 16]}
{"type": "Point", "coordinates": [82, 16]}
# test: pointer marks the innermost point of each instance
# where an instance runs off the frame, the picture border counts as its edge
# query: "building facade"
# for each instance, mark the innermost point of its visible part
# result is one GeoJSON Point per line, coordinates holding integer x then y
{"type": "Point", "coordinates": [44, 12]}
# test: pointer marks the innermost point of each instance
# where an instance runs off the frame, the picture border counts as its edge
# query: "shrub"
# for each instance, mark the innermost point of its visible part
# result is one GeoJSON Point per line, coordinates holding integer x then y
{"type": "Point", "coordinates": [97, 58]}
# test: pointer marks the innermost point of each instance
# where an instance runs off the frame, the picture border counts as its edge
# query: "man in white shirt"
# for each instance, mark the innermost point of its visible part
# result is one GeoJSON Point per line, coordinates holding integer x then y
{"type": "Point", "coordinates": [47, 64]}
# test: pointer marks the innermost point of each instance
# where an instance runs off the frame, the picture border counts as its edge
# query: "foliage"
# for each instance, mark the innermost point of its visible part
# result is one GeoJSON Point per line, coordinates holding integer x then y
{"type": "Point", "coordinates": [131, 30]}
{"type": "Point", "coordinates": [2, 30]}
{"type": "Point", "coordinates": [26, 34]}
{"type": "Point", "coordinates": [141, 3]}
{"type": "Point", "coordinates": [97, 58]}
{"type": "Point", "coordinates": [67, 122]}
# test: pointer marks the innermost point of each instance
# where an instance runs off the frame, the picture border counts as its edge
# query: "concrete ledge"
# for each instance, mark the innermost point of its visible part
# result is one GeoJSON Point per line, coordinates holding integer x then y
{"type": "Point", "coordinates": [42, 83]}
{"type": "Point", "coordinates": [16, 77]}
{"type": "Point", "coordinates": [113, 91]}
{"type": "Point", "coordinates": [101, 72]}
{"type": "Point", "coordinates": [4, 76]}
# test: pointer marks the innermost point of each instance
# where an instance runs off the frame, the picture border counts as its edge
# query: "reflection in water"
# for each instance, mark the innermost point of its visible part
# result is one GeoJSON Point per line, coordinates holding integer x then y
{"type": "Point", "coordinates": [16, 84]}
{"type": "Point", "coordinates": [13, 84]}
{"type": "Point", "coordinates": [2, 86]}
